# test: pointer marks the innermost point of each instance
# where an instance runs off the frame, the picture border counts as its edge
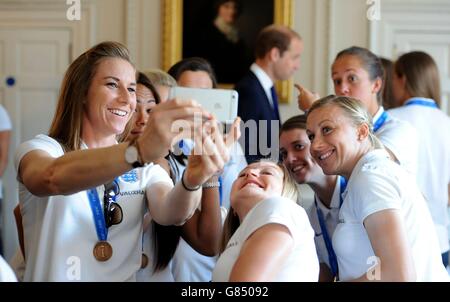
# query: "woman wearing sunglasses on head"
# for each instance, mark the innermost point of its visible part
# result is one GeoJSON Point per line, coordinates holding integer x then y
{"type": "Point", "coordinates": [62, 175]}
{"type": "Point", "coordinates": [385, 231]}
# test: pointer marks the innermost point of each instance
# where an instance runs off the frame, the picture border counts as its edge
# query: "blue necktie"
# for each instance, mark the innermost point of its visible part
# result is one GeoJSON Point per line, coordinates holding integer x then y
{"type": "Point", "coordinates": [275, 102]}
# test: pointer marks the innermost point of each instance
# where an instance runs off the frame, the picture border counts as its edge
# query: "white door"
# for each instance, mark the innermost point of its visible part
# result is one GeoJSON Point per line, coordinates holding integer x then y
{"type": "Point", "coordinates": [35, 60]}
{"type": "Point", "coordinates": [415, 25]}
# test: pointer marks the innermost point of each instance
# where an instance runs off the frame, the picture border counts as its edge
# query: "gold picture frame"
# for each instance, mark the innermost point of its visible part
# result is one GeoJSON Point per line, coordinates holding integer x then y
{"type": "Point", "coordinates": [173, 32]}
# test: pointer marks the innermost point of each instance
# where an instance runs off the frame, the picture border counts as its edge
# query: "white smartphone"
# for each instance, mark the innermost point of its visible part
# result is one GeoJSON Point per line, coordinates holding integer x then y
{"type": "Point", "coordinates": [223, 103]}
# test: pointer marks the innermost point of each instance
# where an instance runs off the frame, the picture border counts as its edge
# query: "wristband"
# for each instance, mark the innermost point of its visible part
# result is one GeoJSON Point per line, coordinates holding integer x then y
{"type": "Point", "coordinates": [211, 184]}
{"type": "Point", "coordinates": [186, 187]}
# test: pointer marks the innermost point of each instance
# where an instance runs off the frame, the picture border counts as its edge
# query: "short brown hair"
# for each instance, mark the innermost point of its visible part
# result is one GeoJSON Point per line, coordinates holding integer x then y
{"type": "Point", "coordinates": [295, 122]}
{"type": "Point", "coordinates": [160, 78]}
{"type": "Point", "coordinates": [274, 36]}
{"type": "Point", "coordinates": [66, 126]}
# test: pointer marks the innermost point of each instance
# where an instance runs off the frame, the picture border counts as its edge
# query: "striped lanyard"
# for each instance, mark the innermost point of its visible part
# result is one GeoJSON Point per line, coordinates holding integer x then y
{"type": "Point", "coordinates": [326, 237]}
{"type": "Point", "coordinates": [380, 121]}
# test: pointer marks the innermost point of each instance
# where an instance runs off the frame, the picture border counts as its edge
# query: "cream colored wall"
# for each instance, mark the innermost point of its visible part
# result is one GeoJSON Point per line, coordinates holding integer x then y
{"type": "Point", "coordinates": [110, 20]}
{"type": "Point", "coordinates": [326, 27]}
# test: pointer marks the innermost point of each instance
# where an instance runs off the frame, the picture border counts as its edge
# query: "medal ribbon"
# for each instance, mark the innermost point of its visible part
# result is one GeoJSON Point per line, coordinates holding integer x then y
{"type": "Point", "coordinates": [97, 213]}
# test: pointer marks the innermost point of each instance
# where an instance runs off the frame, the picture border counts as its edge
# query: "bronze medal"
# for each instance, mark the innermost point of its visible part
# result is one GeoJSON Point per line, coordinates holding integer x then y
{"type": "Point", "coordinates": [144, 261]}
{"type": "Point", "coordinates": [102, 251]}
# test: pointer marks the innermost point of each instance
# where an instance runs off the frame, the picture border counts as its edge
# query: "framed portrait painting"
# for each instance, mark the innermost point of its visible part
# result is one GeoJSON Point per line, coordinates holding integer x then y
{"type": "Point", "coordinates": [223, 32]}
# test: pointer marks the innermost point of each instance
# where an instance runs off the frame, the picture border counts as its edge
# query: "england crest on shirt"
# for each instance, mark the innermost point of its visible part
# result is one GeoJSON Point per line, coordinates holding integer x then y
{"type": "Point", "coordinates": [130, 176]}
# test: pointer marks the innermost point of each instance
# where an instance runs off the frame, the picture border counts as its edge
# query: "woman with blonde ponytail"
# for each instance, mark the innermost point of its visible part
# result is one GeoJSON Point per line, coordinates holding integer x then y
{"type": "Point", "coordinates": [385, 231]}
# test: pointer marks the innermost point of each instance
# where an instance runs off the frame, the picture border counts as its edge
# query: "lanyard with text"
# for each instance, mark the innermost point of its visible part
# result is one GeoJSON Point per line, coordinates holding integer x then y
{"type": "Point", "coordinates": [97, 213]}
{"type": "Point", "coordinates": [326, 237]}
{"type": "Point", "coordinates": [421, 102]}
{"type": "Point", "coordinates": [380, 121]}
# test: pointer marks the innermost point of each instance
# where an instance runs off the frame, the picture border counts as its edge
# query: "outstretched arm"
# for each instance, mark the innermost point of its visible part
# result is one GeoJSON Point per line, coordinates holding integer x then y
{"type": "Point", "coordinates": [203, 231]}
{"type": "Point", "coordinates": [263, 254]}
{"type": "Point", "coordinates": [209, 156]}
{"type": "Point", "coordinates": [44, 175]}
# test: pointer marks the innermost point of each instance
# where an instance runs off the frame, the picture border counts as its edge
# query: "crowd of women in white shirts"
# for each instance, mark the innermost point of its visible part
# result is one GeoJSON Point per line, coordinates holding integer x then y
{"type": "Point", "coordinates": [113, 193]}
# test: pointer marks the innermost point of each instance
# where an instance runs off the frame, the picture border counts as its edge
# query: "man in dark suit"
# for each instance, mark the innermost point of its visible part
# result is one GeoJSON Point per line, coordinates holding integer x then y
{"type": "Point", "coordinates": [277, 52]}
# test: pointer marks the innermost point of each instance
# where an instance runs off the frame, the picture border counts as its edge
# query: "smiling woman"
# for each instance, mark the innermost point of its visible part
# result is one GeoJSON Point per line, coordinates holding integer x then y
{"type": "Point", "coordinates": [323, 213]}
{"type": "Point", "coordinates": [147, 98]}
{"type": "Point", "coordinates": [385, 214]}
{"type": "Point", "coordinates": [267, 236]}
{"type": "Point", "coordinates": [61, 174]}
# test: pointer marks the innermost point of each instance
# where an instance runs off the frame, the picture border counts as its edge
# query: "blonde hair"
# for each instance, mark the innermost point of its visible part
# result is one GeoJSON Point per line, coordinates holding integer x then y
{"type": "Point", "coordinates": [66, 126]}
{"type": "Point", "coordinates": [354, 110]}
{"type": "Point", "coordinates": [289, 191]}
{"type": "Point", "coordinates": [160, 78]}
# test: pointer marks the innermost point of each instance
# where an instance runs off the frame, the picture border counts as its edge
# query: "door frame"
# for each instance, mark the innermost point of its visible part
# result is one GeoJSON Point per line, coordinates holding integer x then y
{"type": "Point", "coordinates": [20, 13]}
{"type": "Point", "coordinates": [37, 14]}
{"type": "Point", "coordinates": [398, 15]}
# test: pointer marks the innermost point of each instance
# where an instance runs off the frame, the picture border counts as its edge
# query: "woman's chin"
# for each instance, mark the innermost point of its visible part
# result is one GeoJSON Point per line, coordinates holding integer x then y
{"type": "Point", "coordinates": [250, 193]}
{"type": "Point", "coordinates": [328, 170]}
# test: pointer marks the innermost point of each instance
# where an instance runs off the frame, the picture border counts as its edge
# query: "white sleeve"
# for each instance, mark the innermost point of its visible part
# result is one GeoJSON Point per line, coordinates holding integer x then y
{"type": "Point", "coordinates": [5, 122]}
{"type": "Point", "coordinates": [40, 142]}
{"type": "Point", "coordinates": [281, 211]}
{"type": "Point", "coordinates": [374, 191]}
{"type": "Point", "coordinates": [156, 174]}
{"type": "Point", "coordinates": [402, 140]}
{"type": "Point", "coordinates": [6, 273]}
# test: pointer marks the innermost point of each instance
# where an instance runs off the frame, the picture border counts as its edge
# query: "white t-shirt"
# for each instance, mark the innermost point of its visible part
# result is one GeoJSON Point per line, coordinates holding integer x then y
{"type": "Point", "coordinates": [190, 266]}
{"type": "Point", "coordinates": [377, 184]}
{"type": "Point", "coordinates": [5, 125]}
{"type": "Point", "coordinates": [331, 220]}
{"type": "Point", "coordinates": [60, 233]}
{"type": "Point", "coordinates": [433, 175]}
{"type": "Point", "coordinates": [400, 138]}
{"type": "Point", "coordinates": [5, 122]}
{"type": "Point", "coordinates": [187, 264]}
{"type": "Point", "coordinates": [301, 265]}
{"type": "Point", "coordinates": [6, 273]}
